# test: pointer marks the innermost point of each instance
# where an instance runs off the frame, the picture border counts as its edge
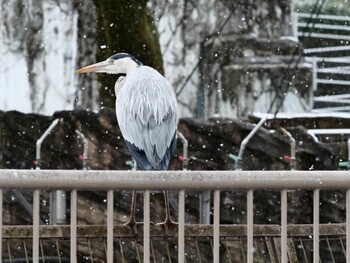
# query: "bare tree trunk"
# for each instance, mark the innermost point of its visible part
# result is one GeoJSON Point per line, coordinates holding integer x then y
{"type": "Point", "coordinates": [125, 26]}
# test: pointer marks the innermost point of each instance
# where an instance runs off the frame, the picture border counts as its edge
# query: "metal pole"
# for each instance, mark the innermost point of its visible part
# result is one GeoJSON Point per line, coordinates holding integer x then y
{"type": "Point", "coordinates": [58, 197]}
{"type": "Point", "coordinates": [110, 223]}
{"type": "Point", "coordinates": [250, 226]}
{"type": "Point", "coordinates": [292, 148]}
{"type": "Point", "coordinates": [204, 197]}
{"type": "Point", "coordinates": [185, 150]}
{"type": "Point", "coordinates": [58, 207]}
{"type": "Point", "coordinates": [216, 230]}
{"type": "Point", "coordinates": [245, 142]}
{"type": "Point", "coordinates": [86, 149]}
{"type": "Point", "coordinates": [316, 226]}
{"type": "Point", "coordinates": [294, 17]}
{"type": "Point", "coordinates": [181, 240]}
{"type": "Point", "coordinates": [284, 225]}
{"type": "Point", "coordinates": [146, 226]}
{"type": "Point", "coordinates": [36, 222]}
{"type": "Point", "coordinates": [204, 207]}
{"type": "Point", "coordinates": [73, 225]}
{"type": "Point", "coordinates": [40, 141]}
{"type": "Point", "coordinates": [314, 75]}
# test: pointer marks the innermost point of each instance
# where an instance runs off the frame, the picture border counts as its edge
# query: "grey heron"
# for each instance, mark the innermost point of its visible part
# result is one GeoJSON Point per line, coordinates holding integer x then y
{"type": "Point", "coordinates": [147, 114]}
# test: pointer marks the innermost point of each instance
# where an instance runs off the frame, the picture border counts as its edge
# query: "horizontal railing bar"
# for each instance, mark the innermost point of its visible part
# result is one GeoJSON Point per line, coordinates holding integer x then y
{"type": "Point", "coordinates": [176, 180]}
{"type": "Point", "coordinates": [124, 231]}
{"type": "Point", "coordinates": [332, 100]}
{"type": "Point", "coordinates": [325, 49]}
{"type": "Point", "coordinates": [324, 26]}
{"type": "Point", "coordinates": [329, 131]}
{"type": "Point", "coordinates": [333, 81]}
{"type": "Point", "coordinates": [328, 36]}
{"type": "Point", "coordinates": [339, 60]}
{"type": "Point", "coordinates": [321, 16]}
{"type": "Point", "coordinates": [331, 109]}
{"type": "Point", "coordinates": [342, 60]}
{"type": "Point", "coordinates": [333, 71]}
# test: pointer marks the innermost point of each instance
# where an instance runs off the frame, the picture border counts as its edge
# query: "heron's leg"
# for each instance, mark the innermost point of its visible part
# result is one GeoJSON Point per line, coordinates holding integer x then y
{"type": "Point", "coordinates": [168, 221]}
{"type": "Point", "coordinates": [132, 220]}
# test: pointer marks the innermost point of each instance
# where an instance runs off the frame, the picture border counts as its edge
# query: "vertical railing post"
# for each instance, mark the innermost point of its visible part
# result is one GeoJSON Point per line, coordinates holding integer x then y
{"type": "Point", "coordinates": [181, 238]}
{"type": "Point", "coordinates": [284, 224]}
{"type": "Point", "coordinates": [36, 221]}
{"type": "Point", "coordinates": [73, 226]}
{"type": "Point", "coordinates": [146, 226]}
{"type": "Point", "coordinates": [295, 24]}
{"type": "Point", "coordinates": [110, 217]}
{"type": "Point", "coordinates": [314, 74]}
{"type": "Point", "coordinates": [216, 231]}
{"type": "Point", "coordinates": [316, 225]}
{"type": "Point", "coordinates": [250, 226]}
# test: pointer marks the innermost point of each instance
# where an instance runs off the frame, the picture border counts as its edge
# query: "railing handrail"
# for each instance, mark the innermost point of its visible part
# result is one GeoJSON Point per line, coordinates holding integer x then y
{"type": "Point", "coordinates": [175, 180]}
{"type": "Point", "coordinates": [322, 16]}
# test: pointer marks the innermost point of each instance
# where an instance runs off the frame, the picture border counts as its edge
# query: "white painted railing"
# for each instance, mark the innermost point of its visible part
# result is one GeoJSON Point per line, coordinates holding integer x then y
{"type": "Point", "coordinates": [304, 22]}
{"type": "Point", "coordinates": [329, 66]}
{"type": "Point", "coordinates": [183, 181]}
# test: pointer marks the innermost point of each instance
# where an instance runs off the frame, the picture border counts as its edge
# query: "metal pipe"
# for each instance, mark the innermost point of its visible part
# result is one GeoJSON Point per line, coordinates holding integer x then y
{"type": "Point", "coordinates": [204, 197]}
{"type": "Point", "coordinates": [316, 226]}
{"type": "Point", "coordinates": [58, 197]}
{"type": "Point", "coordinates": [250, 224]}
{"type": "Point", "coordinates": [185, 150]}
{"type": "Point", "coordinates": [314, 75]}
{"type": "Point", "coordinates": [110, 217]}
{"type": "Point", "coordinates": [25, 204]}
{"type": "Point", "coordinates": [181, 241]}
{"type": "Point", "coordinates": [86, 149]}
{"type": "Point", "coordinates": [204, 207]}
{"type": "Point", "coordinates": [245, 142]}
{"type": "Point", "coordinates": [73, 225]}
{"type": "Point", "coordinates": [284, 225]}
{"type": "Point", "coordinates": [40, 141]}
{"type": "Point", "coordinates": [173, 180]}
{"type": "Point", "coordinates": [292, 148]}
{"type": "Point", "coordinates": [216, 227]}
{"type": "Point", "coordinates": [146, 226]}
{"type": "Point", "coordinates": [36, 221]}
{"type": "Point", "coordinates": [58, 207]}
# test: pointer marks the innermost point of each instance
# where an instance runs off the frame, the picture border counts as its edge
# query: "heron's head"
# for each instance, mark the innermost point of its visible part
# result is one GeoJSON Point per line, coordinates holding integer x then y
{"type": "Point", "coordinates": [120, 63]}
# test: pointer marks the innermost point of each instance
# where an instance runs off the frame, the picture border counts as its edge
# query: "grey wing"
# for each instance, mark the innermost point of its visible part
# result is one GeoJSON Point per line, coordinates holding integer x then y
{"type": "Point", "coordinates": [147, 114]}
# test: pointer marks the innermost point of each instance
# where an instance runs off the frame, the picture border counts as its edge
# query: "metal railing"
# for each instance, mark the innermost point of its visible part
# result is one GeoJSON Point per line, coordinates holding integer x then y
{"type": "Point", "coordinates": [182, 181]}
{"type": "Point", "coordinates": [330, 66]}
{"type": "Point", "coordinates": [323, 26]}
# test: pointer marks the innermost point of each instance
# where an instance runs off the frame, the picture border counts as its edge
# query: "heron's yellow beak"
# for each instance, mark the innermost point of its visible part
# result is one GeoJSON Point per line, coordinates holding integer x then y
{"type": "Point", "coordinates": [97, 67]}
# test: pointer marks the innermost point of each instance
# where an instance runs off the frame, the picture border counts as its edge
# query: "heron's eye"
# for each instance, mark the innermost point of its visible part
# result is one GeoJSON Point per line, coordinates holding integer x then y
{"type": "Point", "coordinates": [110, 61]}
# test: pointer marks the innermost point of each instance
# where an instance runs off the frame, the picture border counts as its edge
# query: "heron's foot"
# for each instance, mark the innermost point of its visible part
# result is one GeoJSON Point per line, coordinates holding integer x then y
{"type": "Point", "coordinates": [168, 223]}
{"type": "Point", "coordinates": [133, 224]}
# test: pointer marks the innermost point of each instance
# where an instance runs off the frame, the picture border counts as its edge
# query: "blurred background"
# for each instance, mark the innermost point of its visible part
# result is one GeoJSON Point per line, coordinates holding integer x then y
{"type": "Point", "coordinates": [224, 58]}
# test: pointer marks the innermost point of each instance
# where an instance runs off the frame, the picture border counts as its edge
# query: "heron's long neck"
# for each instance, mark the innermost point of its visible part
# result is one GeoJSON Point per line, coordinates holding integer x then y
{"type": "Point", "coordinates": [126, 65]}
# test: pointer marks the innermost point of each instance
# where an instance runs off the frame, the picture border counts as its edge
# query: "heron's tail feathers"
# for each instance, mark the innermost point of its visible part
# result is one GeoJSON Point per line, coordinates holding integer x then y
{"type": "Point", "coordinates": [144, 164]}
